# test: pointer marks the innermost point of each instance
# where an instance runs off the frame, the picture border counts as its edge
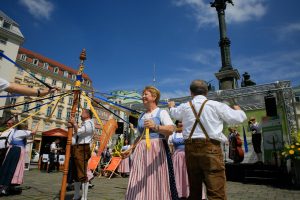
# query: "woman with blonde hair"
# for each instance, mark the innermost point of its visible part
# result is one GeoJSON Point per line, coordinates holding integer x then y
{"type": "Point", "coordinates": [151, 175]}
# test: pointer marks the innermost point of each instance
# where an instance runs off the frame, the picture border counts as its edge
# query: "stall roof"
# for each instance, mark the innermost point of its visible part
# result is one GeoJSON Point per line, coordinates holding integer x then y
{"type": "Point", "coordinates": [57, 132]}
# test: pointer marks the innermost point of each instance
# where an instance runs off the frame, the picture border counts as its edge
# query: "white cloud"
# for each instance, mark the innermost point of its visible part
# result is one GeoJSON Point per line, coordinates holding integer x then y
{"type": "Point", "coordinates": [286, 31]}
{"type": "Point", "coordinates": [39, 8]}
{"type": "Point", "coordinates": [242, 11]}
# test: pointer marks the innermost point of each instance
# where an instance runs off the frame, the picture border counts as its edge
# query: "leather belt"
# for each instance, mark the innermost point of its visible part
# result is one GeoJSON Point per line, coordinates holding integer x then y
{"type": "Point", "coordinates": [201, 140]}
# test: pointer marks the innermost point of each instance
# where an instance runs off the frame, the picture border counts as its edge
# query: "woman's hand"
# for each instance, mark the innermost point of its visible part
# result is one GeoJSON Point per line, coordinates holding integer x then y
{"type": "Point", "coordinates": [149, 123]}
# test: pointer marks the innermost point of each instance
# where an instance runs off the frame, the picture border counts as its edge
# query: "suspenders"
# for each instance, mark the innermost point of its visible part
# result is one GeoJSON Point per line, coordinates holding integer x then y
{"type": "Point", "coordinates": [197, 121]}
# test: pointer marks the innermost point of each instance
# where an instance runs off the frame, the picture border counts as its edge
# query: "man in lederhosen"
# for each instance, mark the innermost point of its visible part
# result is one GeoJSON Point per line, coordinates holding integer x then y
{"type": "Point", "coordinates": [81, 152]}
{"type": "Point", "coordinates": [202, 130]}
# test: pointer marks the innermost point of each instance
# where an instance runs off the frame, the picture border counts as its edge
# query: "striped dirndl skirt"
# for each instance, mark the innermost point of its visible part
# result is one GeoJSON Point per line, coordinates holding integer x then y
{"type": "Point", "coordinates": [149, 175]}
{"type": "Point", "coordinates": [180, 172]}
{"type": "Point", "coordinates": [124, 166]}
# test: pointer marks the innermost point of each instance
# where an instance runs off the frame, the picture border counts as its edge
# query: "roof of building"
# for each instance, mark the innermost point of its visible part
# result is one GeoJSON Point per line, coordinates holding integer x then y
{"type": "Point", "coordinates": [7, 18]}
{"type": "Point", "coordinates": [297, 90]}
{"type": "Point", "coordinates": [50, 61]}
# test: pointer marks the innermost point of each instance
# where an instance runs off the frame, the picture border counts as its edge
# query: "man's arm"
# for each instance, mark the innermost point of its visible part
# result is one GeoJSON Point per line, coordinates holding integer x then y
{"type": "Point", "coordinates": [20, 89]}
{"type": "Point", "coordinates": [232, 115]}
{"type": "Point", "coordinates": [175, 112]}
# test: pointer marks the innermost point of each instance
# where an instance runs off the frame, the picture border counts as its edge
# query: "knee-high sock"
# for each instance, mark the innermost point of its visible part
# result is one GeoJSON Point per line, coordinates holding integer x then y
{"type": "Point", "coordinates": [85, 188]}
{"type": "Point", "coordinates": [77, 190]}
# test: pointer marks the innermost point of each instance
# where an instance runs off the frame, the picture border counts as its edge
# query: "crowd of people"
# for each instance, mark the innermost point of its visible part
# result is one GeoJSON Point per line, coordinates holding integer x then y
{"type": "Point", "coordinates": [193, 168]}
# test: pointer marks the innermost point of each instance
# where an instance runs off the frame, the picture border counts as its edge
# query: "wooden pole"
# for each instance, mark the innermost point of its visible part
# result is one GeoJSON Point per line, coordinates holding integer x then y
{"type": "Point", "coordinates": [70, 129]}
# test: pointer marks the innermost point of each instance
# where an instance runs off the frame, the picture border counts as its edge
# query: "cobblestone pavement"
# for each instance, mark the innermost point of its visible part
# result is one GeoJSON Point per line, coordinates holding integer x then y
{"type": "Point", "coordinates": [44, 186]}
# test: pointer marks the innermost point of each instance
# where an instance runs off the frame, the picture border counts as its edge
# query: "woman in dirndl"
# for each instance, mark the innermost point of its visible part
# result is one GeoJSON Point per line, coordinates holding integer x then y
{"type": "Point", "coordinates": [151, 175]}
{"type": "Point", "coordinates": [12, 169]}
{"type": "Point", "coordinates": [124, 167]}
{"type": "Point", "coordinates": [180, 172]}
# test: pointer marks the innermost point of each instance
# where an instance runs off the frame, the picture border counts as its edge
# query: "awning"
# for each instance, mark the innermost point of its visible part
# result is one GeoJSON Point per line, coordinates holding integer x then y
{"type": "Point", "coordinates": [57, 132]}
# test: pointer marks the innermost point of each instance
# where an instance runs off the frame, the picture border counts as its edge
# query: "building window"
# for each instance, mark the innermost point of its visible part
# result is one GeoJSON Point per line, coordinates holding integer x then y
{"type": "Point", "coordinates": [38, 106]}
{"type": "Point", "coordinates": [35, 62]}
{"type": "Point", "coordinates": [3, 40]}
{"type": "Point", "coordinates": [56, 70]}
{"type": "Point", "coordinates": [43, 78]}
{"type": "Point", "coordinates": [72, 87]}
{"type": "Point", "coordinates": [53, 82]}
{"type": "Point", "coordinates": [20, 71]}
{"type": "Point", "coordinates": [6, 25]}
{"type": "Point", "coordinates": [23, 57]}
{"type": "Point", "coordinates": [64, 85]}
{"type": "Point", "coordinates": [47, 126]}
{"type": "Point", "coordinates": [62, 100]}
{"type": "Point", "coordinates": [66, 73]}
{"type": "Point", "coordinates": [46, 65]}
{"type": "Point", "coordinates": [26, 107]}
{"type": "Point", "coordinates": [73, 76]}
{"type": "Point", "coordinates": [52, 96]}
{"type": "Point", "coordinates": [85, 104]}
{"type": "Point", "coordinates": [68, 114]}
{"type": "Point", "coordinates": [33, 125]}
{"type": "Point", "coordinates": [70, 101]}
{"type": "Point", "coordinates": [49, 110]}
{"type": "Point", "coordinates": [88, 82]}
{"type": "Point", "coordinates": [13, 100]}
{"type": "Point", "coordinates": [59, 112]}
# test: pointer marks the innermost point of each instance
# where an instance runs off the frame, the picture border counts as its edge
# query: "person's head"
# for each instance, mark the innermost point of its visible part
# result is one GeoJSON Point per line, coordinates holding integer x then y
{"type": "Point", "coordinates": [126, 142]}
{"type": "Point", "coordinates": [57, 141]}
{"type": "Point", "coordinates": [198, 87]}
{"type": "Point", "coordinates": [22, 126]}
{"type": "Point", "coordinates": [178, 124]}
{"type": "Point", "coordinates": [151, 95]}
{"type": "Point", "coordinates": [86, 114]}
{"type": "Point", "coordinates": [252, 120]}
{"type": "Point", "coordinates": [231, 129]}
{"type": "Point", "coordinates": [10, 123]}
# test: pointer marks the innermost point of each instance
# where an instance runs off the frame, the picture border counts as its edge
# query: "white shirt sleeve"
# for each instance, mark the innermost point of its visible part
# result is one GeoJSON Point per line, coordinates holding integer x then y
{"type": "Point", "coordinates": [229, 115]}
{"type": "Point", "coordinates": [4, 84]}
{"type": "Point", "coordinates": [165, 118]}
{"type": "Point", "coordinates": [177, 112]}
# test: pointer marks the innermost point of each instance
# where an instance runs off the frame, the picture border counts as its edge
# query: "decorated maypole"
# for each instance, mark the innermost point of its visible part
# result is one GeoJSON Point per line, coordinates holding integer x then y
{"type": "Point", "coordinates": [70, 129]}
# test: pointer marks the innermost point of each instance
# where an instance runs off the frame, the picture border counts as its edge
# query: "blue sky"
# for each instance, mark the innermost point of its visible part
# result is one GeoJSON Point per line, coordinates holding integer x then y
{"type": "Point", "coordinates": [125, 38]}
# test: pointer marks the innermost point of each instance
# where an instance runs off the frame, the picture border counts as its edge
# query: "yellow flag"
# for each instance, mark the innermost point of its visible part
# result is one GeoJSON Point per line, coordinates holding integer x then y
{"type": "Point", "coordinates": [147, 138]}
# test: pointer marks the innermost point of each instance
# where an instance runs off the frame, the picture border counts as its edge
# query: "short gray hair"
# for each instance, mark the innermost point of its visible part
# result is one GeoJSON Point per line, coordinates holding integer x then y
{"type": "Point", "coordinates": [199, 87]}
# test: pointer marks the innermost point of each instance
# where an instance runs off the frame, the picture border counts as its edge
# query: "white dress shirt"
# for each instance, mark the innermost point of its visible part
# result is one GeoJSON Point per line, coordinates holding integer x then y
{"type": "Point", "coordinates": [212, 118]}
{"type": "Point", "coordinates": [85, 132]}
{"type": "Point", "coordinates": [53, 147]}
